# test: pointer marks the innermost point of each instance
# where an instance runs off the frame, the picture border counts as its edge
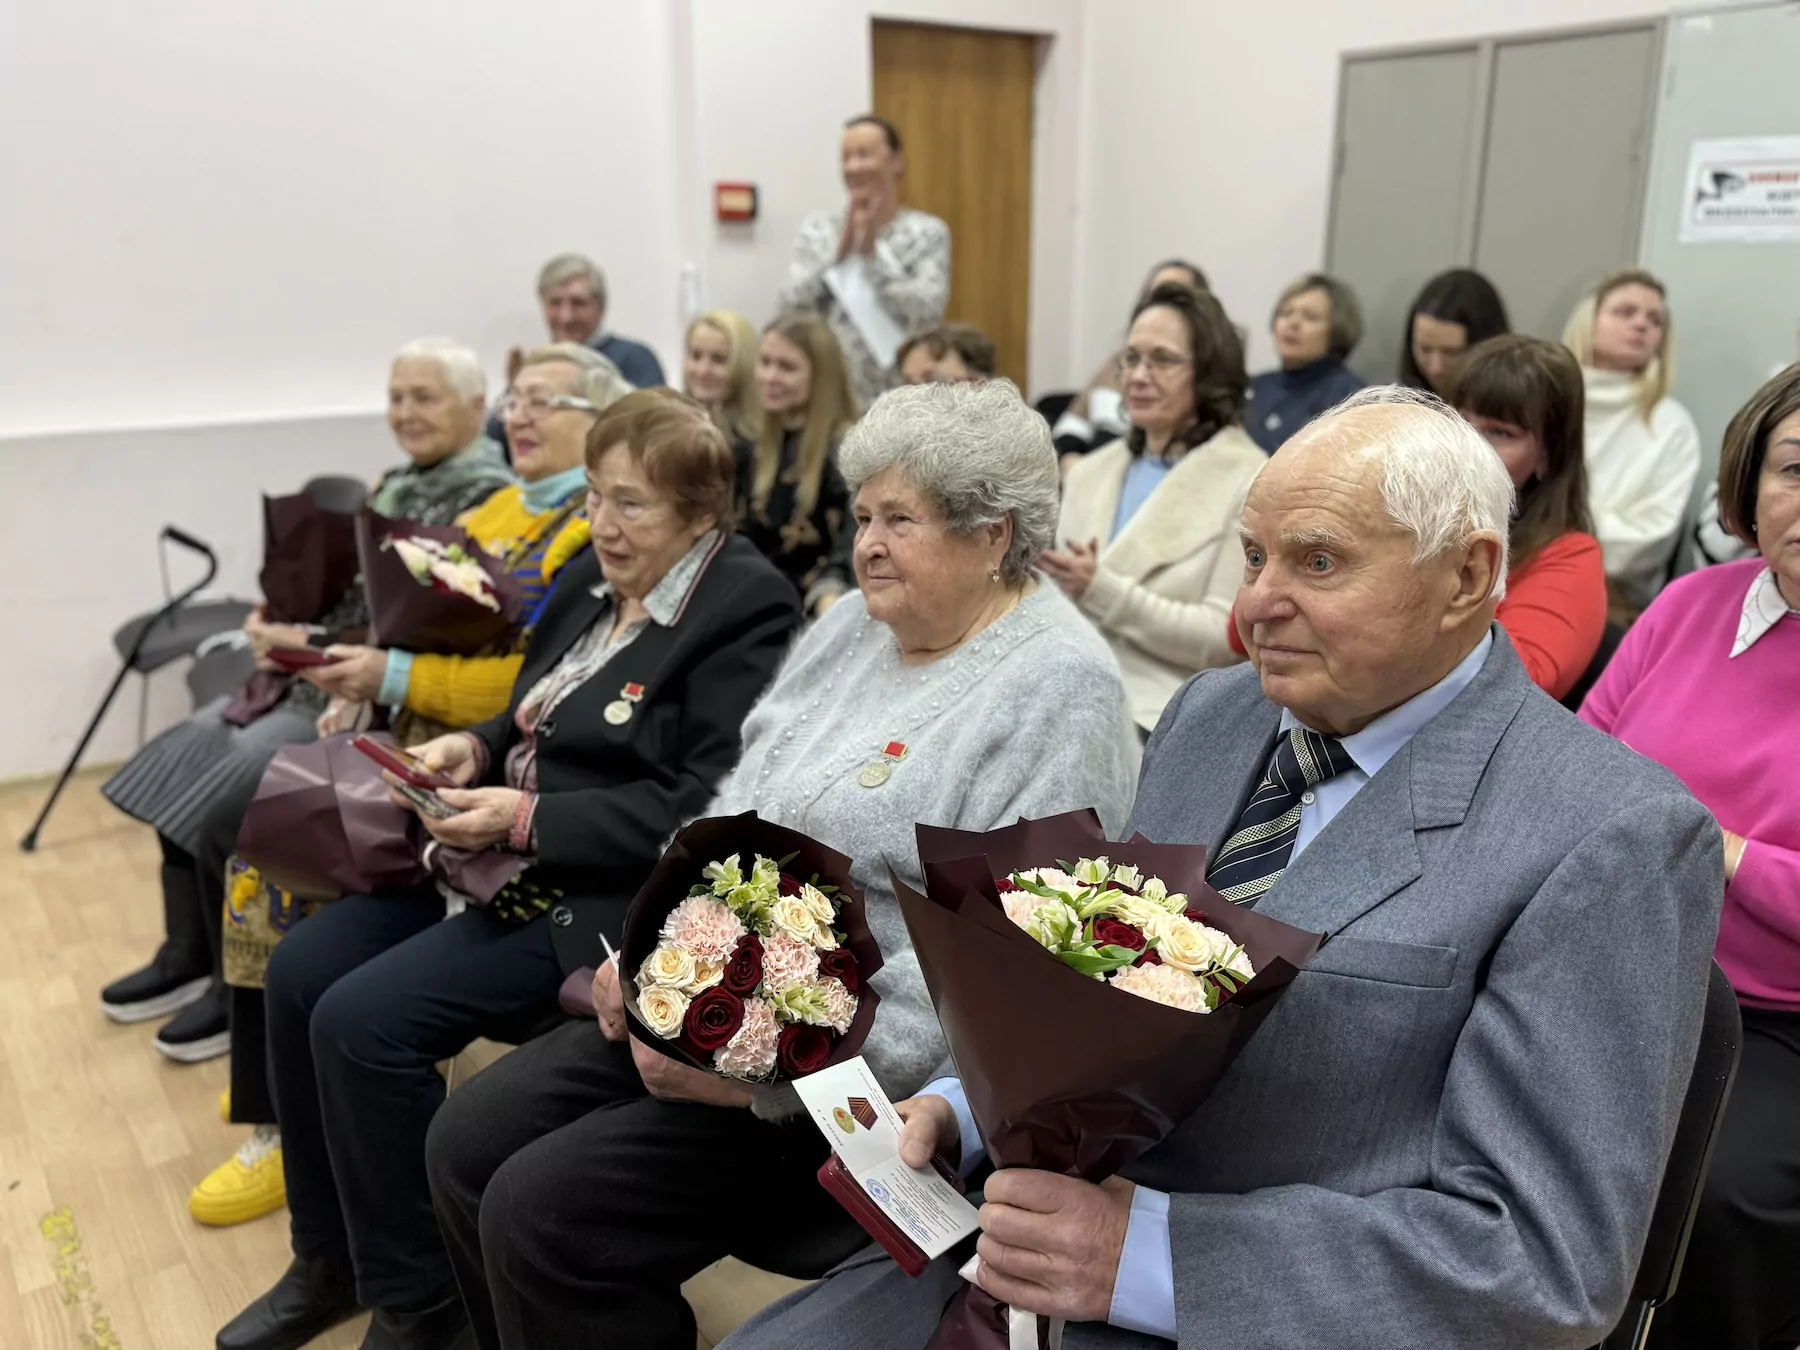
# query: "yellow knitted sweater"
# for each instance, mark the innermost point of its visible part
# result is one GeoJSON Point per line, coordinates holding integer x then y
{"type": "Point", "coordinates": [463, 690]}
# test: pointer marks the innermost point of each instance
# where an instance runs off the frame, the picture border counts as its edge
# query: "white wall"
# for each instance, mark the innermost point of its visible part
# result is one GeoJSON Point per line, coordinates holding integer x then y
{"type": "Point", "coordinates": [254, 202]}
{"type": "Point", "coordinates": [1209, 135]}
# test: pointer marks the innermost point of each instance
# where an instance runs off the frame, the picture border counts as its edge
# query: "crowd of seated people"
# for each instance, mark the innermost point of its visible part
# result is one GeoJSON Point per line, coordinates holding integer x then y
{"type": "Point", "coordinates": [815, 551]}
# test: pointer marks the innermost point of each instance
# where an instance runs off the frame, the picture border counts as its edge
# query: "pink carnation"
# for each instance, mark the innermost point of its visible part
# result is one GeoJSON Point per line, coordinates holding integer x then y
{"type": "Point", "coordinates": [751, 1052]}
{"type": "Point", "coordinates": [840, 1005]}
{"type": "Point", "coordinates": [1163, 984]}
{"type": "Point", "coordinates": [787, 962]}
{"type": "Point", "coordinates": [705, 927]}
{"type": "Point", "coordinates": [1020, 906]}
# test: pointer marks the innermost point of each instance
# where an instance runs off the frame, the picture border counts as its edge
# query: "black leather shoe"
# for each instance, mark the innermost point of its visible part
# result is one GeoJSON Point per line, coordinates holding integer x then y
{"type": "Point", "coordinates": [443, 1325]}
{"type": "Point", "coordinates": [312, 1298]}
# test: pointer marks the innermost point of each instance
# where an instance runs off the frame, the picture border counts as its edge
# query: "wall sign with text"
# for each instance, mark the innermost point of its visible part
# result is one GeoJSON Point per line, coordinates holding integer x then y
{"type": "Point", "coordinates": [1745, 190]}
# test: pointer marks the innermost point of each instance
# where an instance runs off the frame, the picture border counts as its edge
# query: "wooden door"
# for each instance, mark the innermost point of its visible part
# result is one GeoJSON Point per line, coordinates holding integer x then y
{"type": "Point", "coordinates": [961, 99]}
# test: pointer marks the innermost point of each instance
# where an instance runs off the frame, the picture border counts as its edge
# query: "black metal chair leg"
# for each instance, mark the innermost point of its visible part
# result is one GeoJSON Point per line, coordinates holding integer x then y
{"type": "Point", "coordinates": [29, 843]}
{"type": "Point", "coordinates": [172, 535]}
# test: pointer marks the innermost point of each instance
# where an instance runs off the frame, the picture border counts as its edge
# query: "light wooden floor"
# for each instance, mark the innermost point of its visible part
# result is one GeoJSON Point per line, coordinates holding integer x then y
{"type": "Point", "coordinates": [101, 1138]}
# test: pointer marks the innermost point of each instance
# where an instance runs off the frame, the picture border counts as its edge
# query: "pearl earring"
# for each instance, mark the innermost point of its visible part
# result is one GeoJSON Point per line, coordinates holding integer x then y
{"type": "Point", "coordinates": [994, 576]}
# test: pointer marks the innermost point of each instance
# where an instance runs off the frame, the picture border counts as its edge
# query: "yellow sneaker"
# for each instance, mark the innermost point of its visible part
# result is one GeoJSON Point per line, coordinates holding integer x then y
{"type": "Point", "coordinates": [247, 1187]}
{"type": "Point", "coordinates": [225, 1106]}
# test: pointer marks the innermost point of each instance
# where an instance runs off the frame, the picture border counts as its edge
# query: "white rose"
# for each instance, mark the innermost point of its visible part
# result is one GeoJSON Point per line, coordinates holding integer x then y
{"type": "Point", "coordinates": [1190, 946]}
{"type": "Point", "coordinates": [663, 1008]}
{"type": "Point", "coordinates": [1127, 875]}
{"type": "Point", "coordinates": [818, 902]}
{"type": "Point", "coordinates": [793, 916]}
{"type": "Point", "coordinates": [706, 975]}
{"type": "Point", "coordinates": [668, 964]}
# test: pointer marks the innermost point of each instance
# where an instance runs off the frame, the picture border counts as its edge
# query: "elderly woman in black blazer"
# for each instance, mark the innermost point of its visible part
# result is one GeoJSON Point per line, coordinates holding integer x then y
{"type": "Point", "coordinates": [624, 718]}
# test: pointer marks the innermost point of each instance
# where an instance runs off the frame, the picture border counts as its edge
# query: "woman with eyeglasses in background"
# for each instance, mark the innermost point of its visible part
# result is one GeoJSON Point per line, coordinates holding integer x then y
{"type": "Point", "coordinates": [1149, 522]}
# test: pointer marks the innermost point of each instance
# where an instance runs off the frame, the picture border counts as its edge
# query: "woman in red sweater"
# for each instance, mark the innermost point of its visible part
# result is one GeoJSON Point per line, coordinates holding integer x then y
{"type": "Point", "coordinates": [1526, 397]}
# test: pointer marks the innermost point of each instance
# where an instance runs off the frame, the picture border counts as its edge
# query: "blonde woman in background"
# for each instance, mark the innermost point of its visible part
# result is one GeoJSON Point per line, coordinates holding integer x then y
{"type": "Point", "coordinates": [718, 370]}
{"type": "Point", "coordinates": [797, 506]}
{"type": "Point", "coordinates": [1643, 450]}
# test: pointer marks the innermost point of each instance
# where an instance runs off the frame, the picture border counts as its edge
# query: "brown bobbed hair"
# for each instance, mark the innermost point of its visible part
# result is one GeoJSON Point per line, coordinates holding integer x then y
{"type": "Point", "coordinates": [1747, 446]}
{"type": "Point", "coordinates": [974, 347]}
{"type": "Point", "coordinates": [672, 438]}
{"type": "Point", "coordinates": [1218, 352]}
{"type": "Point", "coordinates": [1535, 385]}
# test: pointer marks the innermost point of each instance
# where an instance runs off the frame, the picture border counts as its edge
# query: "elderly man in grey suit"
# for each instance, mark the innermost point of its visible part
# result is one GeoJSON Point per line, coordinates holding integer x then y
{"type": "Point", "coordinates": [1451, 1130]}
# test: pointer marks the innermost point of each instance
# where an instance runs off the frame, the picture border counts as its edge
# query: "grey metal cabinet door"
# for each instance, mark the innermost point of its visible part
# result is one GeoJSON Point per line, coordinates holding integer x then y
{"type": "Point", "coordinates": [1736, 305]}
{"type": "Point", "coordinates": [1568, 137]}
{"type": "Point", "coordinates": [1400, 206]}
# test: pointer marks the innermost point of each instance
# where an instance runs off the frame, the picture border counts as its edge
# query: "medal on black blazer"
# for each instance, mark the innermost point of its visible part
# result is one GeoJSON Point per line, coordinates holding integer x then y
{"type": "Point", "coordinates": [619, 711]}
{"type": "Point", "coordinates": [875, 774]}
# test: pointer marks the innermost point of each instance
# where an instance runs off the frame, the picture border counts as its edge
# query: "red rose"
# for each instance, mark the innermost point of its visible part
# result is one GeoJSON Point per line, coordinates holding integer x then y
{"type": "Point", "coordinates": [1149, 958]}
{"type": "Point", "coordinates": [712, 1019]}
{"type": "Point", "coordinates": [788, 885]}
{"type": "Point", "coordinates": [840, 965]}
{"type": "Point", "coordinates": [802, 1049]}
{"type": "Point", "coordinates": [1198, 916]}
{"type": "Point", "coordinates": [743, 968]}
{"type": "Point", "coordinates": [1006, 886]}
{"type": "Point", "coordinates": [1117, 933]}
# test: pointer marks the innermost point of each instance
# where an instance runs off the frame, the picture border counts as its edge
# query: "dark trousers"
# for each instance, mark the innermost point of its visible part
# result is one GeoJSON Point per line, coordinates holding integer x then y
{"type": "Point", "coordinates": [364, 999]}
{"type": "Point", "coordinates": [252, 1101]}
{"type": "Point", "coordinates": [194, 884]}
{"type": "Point", "coordinates": [575, 1205]}
{"type": "Point", "coordinates": [1740, 1284]}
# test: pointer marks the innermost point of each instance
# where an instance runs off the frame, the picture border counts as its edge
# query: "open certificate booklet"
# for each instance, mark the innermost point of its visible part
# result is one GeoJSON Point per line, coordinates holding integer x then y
{"type": "Point", "coordinates": [917, 1214]}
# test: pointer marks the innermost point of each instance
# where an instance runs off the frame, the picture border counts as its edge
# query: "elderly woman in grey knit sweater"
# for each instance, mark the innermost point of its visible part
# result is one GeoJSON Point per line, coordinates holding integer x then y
{"type": "Point", "coordinates": [581, 1179]}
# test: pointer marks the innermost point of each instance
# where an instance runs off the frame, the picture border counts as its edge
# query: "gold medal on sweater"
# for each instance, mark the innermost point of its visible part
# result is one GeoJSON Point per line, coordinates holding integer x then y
{"type": "Point", "coordinates": [619, 711]}
{"type": "Point", "coordinates": [875, 774]}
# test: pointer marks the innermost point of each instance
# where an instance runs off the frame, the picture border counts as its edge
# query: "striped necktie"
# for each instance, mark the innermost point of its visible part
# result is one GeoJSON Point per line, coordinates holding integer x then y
{"type": "Point", "coordinates": [1258, 850]}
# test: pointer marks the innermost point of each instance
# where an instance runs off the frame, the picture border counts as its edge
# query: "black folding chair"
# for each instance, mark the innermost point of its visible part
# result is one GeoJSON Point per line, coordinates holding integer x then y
{"type": "Point", "coordinates": [151, 641]}
{"type": "Point", "coordinates": [1672, 1221]}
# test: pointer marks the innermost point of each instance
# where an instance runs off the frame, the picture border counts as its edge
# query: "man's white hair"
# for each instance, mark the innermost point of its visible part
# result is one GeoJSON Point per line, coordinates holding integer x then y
{"type": "Point", "coordinates": [461, 367]}
{"type": "Point", "coordinates": [1441, 481]}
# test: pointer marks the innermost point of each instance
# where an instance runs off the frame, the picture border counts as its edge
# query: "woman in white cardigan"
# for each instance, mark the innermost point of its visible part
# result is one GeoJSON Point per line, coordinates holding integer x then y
{"type": "Point", "coordinates": [1149, 522]}
{"type": "Point", "coordinates": [1643, 450]}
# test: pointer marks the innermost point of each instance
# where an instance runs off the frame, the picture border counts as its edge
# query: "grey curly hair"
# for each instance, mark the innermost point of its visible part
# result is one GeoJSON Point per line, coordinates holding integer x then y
{"type": "Point", "coordinates": [977, 451]}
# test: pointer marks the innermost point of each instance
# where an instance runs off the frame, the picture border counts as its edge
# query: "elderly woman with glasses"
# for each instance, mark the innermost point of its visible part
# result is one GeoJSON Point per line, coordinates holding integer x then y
{"type": "Point", "coordinates": [1149, 523]}
{"type": "Point", "coordinates": [625, 714]}
{"type": "Point", "coordinates": [581, 1179]}
{"type": "Point", "coordinates": [533, 527]}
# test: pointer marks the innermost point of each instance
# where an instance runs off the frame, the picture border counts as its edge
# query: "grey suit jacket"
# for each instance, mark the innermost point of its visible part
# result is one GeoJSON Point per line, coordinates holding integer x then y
{"type": "Point", "coordinates": [1451, 1130]}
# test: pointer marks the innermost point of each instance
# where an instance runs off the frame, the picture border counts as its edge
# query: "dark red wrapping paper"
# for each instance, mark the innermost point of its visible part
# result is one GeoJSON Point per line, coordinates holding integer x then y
{"type": "Point", "coordinates": [714, 839]}
{"type": "Point", "coordinates": [1120, 1072]}
{"type": "Point", "coordinates": [421, 618]}
{"type": "Point", "coordinates": [309, 561]}
{"type": "Point", "coordinates": [321, 826]}
{"type": "Point", "coordinates": [309, 558]}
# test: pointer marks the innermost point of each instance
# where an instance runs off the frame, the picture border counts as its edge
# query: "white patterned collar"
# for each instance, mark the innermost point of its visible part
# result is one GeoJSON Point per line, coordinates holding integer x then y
{"type": "Point", "coordinates": [1764, 607]}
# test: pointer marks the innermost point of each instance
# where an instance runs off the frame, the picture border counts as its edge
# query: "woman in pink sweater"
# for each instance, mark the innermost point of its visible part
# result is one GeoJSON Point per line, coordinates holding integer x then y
{"type": "Point", "coordinates": [1706, 684]}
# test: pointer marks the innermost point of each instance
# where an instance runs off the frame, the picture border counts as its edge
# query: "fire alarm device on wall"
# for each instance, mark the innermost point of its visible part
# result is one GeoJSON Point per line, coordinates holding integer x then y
{"type": "Point", "coordinates": [734, 201]}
